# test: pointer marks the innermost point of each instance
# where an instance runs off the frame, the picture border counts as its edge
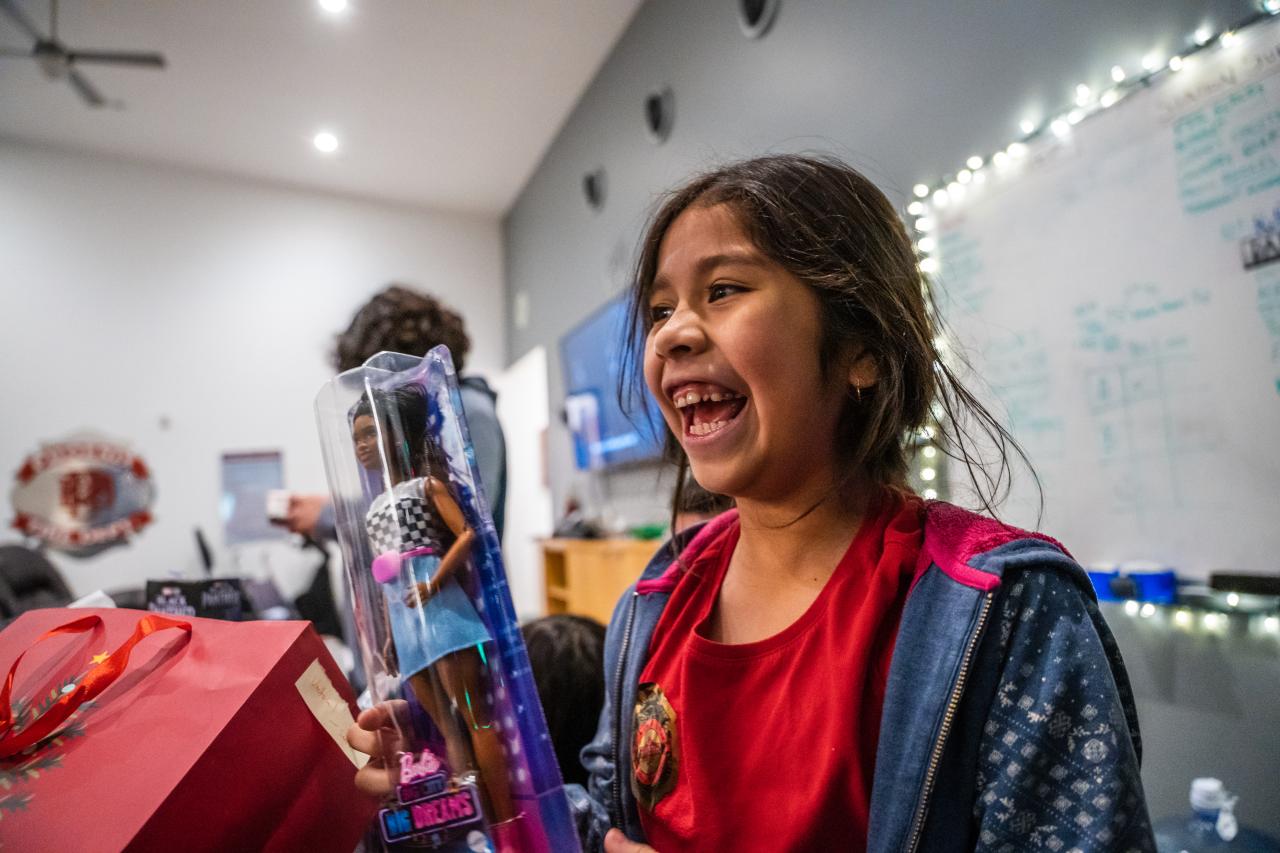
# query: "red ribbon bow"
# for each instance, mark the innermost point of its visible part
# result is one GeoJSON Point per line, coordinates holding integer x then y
{"type": "Point", "coordinates": [94, 682]}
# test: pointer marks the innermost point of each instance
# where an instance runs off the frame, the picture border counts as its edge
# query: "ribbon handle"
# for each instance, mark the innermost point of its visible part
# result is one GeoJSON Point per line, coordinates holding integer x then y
{"type": "Point", "coordinates": [94, 682]}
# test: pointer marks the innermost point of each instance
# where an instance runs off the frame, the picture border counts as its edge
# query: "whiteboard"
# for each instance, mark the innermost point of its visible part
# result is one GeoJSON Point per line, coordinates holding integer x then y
{"type": "Point", "coordinates": [1098, 287]}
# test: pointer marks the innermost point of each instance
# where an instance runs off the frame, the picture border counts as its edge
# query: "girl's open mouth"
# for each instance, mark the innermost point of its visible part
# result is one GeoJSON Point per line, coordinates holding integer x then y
{"type": "Point", "coordinates": [707, 409]}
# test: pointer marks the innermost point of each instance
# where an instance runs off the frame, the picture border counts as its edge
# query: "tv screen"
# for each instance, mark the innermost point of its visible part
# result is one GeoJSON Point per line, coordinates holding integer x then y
{"type": "Point", "coordinates": [603, 435]}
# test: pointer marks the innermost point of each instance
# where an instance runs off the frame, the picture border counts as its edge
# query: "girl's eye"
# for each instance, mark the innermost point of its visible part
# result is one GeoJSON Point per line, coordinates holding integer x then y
{"type": "Point", "coordinates": [658, 313]}
{"type": "Point", "coordinates": [720, 290]}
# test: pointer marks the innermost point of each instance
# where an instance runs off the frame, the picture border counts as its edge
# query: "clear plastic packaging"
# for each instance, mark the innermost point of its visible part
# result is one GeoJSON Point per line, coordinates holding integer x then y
{"type": "Point", "coordinates": [473, 768]}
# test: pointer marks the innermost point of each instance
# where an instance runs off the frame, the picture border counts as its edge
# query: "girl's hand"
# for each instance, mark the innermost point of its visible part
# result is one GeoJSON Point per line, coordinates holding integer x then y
{"type": "Point", "coordinates": [616, 842]}
{"type": "Point", "coordinates": [376, 733]}
{"type": "Point", "coordinates": [419, 594]}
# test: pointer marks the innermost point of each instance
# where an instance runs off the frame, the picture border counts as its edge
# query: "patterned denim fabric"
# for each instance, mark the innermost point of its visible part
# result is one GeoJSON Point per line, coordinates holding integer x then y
{"type": "Point", "coordinates": [1058, 761]}
{"type": "Point", "coordinates": [589, 816]}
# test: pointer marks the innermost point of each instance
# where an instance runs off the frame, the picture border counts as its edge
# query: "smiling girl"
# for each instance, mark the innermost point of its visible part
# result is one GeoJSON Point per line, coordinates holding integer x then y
{"type": "Point", "coordinates": [836, 663]}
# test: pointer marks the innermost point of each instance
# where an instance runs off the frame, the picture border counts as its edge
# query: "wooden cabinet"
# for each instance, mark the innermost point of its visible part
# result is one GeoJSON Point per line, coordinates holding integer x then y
{"type": "Point", "coordinates": [588, 576]}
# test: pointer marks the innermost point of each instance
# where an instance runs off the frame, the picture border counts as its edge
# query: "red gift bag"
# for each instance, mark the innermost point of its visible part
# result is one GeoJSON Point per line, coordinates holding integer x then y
{"type": "Point", "coordinates": [133, 730]}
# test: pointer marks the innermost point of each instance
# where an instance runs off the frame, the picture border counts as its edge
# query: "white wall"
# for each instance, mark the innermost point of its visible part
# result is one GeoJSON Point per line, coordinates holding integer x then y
{"type": "Point", "coordinates": [130, 294]}
{"type": "Point", "coordinates": [522, 409]}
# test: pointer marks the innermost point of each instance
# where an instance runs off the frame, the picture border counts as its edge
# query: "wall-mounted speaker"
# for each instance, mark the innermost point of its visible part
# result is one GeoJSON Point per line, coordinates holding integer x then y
{"type": "Point", "coordinates": [756, 16]}
{"type": "Point", "coordinates": [593, 188]}
{"type": "Point", "coordinates": [659, 114]}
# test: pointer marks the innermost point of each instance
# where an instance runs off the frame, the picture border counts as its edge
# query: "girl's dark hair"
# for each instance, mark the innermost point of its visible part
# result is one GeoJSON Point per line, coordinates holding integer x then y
{"type": "Point", "coordinates": [566, 654]}
{"type": "Point", "coordinates": [401, 320]}
{"type": "Point", "coordinates": [836, 231]}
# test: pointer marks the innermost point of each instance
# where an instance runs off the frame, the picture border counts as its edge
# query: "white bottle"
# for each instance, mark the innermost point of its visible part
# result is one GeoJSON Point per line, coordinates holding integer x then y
{"type": "Point", "coordinates": [1211, 802]}
{"type": "Point", "coordinates": [1213, 826]}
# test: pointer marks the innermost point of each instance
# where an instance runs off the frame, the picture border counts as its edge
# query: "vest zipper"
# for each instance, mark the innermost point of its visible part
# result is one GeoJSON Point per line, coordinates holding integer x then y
{"type": "Point", "coordinates": [618, 711]}
{"type": "Point", "coordinates": [953, 702]}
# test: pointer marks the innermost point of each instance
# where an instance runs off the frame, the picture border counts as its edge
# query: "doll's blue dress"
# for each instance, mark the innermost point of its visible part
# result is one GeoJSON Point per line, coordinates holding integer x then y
{"type": "Point", "coordinates": [448, 621]}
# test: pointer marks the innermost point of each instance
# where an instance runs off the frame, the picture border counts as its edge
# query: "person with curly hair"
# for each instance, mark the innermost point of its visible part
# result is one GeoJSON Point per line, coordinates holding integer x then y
{"type": "Point", "coordinates": [398, 319]}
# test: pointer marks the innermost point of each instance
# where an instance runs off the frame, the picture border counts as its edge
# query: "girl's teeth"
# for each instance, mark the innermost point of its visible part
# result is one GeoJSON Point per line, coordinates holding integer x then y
{"type": "Point", "coordinates": [707, 429]}
{"type": "Point", "coordinates": [693, 398]}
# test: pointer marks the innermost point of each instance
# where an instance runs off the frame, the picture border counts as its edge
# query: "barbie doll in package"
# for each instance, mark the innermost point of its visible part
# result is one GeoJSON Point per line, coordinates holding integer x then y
{"type": "Point", "coordinates": [473, 768]}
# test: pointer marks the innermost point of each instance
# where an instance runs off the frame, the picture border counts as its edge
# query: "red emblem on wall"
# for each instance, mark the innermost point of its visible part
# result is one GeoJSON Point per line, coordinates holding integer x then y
{"type": "Point", "coordinates": [82, 494]}
{"type": "Point", "coordinates": [87, 492]}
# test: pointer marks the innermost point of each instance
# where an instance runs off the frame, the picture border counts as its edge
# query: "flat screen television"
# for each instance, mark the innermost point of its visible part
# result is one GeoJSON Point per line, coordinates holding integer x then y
{"type": "Point", "coordinates": [592, 358]}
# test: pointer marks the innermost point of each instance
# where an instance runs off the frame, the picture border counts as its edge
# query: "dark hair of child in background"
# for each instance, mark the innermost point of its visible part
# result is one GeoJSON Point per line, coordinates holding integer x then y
{"type": "Point", "coordinates": [566, 654]}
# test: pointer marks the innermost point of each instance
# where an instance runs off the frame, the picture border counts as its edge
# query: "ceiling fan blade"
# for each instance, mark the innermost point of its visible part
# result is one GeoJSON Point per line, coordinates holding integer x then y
{"type": "Point", "coordinates": [118, 57]}
{"type": "Point", "coordinates": [87, 91]}
{"type": "Point", "coordinates": [10, 8]}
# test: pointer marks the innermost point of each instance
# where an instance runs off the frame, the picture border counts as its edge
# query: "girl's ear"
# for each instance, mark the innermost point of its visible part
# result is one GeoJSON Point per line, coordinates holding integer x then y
{"type": "Point", "coordinates": [863, 372]}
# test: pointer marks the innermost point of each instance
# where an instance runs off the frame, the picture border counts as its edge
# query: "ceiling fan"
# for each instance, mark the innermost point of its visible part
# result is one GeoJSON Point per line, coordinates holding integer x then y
{"type": "Point", "coordinates": [58, 62]}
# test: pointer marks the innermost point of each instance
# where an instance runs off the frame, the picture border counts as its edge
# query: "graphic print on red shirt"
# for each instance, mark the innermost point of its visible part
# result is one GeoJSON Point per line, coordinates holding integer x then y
{"type": "Point", "coordinates": [771, 744]}
{"type": "Point", "coordinates": [656, 747]}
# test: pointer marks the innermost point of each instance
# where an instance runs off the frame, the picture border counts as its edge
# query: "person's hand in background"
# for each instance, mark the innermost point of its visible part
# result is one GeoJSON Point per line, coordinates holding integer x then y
{"type": "Point", "coordinates": [304, 513]}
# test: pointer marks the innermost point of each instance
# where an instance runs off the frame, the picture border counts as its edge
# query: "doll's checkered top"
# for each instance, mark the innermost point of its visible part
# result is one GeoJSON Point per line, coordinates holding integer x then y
{"type": "Point", "coordinates": [406, 524]}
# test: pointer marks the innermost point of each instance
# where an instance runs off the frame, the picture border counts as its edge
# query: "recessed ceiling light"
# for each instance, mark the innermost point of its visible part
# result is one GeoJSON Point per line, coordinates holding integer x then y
{"type": "Point", "coordinates": [325, 142]}
{"type": "Point", "coordinates": [333, 7]}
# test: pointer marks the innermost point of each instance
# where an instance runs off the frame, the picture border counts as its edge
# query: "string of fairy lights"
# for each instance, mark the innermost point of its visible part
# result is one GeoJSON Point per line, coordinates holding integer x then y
{"type": "Point", "coordinates": [1087, 102]}
{"type": "Point", "coordinates": [1203, 619]}
{"type": "Point", "coordinates": [928, 473]}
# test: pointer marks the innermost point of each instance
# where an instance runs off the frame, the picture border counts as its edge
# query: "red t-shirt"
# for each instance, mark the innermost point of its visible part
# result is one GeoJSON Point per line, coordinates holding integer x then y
{"type": "Point", "coordinates": [771, 745]}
